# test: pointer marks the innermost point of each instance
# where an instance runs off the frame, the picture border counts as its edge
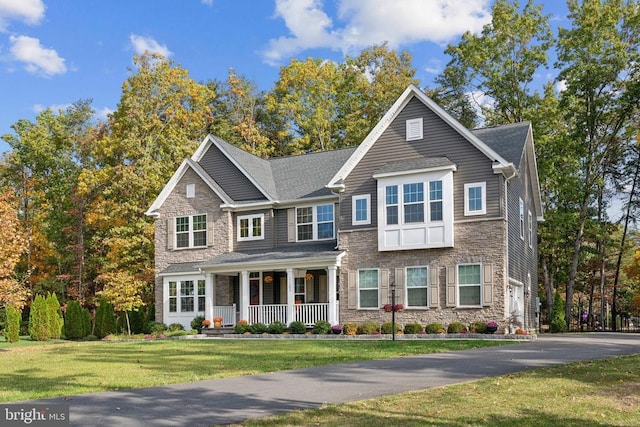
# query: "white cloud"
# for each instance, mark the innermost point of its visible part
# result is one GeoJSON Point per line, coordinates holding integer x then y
{"type": "Point", "coordinates": [28, 11]}
{"type": "Point", "coordinates": [143, 44]}
{"type": "Point", "coordinates": [38, 108]}
{"type": "Point", "coordinates": [103, 113]}
{"type": "Point", "coordinates": [37, 59]}
{"type": "Point", "coordinates": [368, 22]}
{"type": "Point", "coordinates": [207, 2]}
{"type": "Point", "coordinates": [561, 86]}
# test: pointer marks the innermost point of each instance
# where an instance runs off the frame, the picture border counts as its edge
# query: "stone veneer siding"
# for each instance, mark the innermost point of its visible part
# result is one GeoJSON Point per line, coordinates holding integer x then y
{"type": "Point", "coordinates": [177, 204]}
{"type": "Point", "coordinates": [474, 242]}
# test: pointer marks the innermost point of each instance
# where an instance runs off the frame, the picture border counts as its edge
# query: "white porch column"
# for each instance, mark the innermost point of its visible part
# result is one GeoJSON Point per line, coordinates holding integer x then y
{"type": "Point", "coordinates": [332, 312]}
{"type": "Point", "coordinates": [244, 295]}
{"type": "Point", "coordinates": [210, 295]}
{"type": "Point", "coordinates": [291, 280]}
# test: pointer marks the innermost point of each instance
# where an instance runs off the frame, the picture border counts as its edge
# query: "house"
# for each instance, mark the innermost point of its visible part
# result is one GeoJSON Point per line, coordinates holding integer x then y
{"type": "Point", "coordinates": [443, 218]}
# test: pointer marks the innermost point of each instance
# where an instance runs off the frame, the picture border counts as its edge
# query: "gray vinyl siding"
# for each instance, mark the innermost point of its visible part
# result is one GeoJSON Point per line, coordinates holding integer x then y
{"type": "Point", "coordinates": [440, 140]}
{"type": "Point", "coordinates": [267, 231]}
{"type": "Point", "coordinates": [281, 229]}
{"type": "Point", "coordinates": [227, 175]}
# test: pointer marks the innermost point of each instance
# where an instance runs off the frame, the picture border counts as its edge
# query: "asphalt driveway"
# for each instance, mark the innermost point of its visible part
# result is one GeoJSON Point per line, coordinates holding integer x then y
{"type": "Point", "coordinates": [233, 400]}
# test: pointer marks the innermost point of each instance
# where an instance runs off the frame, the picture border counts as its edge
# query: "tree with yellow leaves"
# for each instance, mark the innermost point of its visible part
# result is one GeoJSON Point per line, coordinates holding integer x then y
{"type": "Point", "coordinates": [12, 292]}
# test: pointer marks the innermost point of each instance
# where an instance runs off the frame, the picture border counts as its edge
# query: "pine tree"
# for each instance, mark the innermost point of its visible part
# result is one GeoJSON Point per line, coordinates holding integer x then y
{"type": "Point", "coordinates": [54, 316]}
{"type": "Point", "coordinates": [38, 320]}
{"type": "Point", "coordinates": [105, 320]}
{"type": "Point", "coordinates": [13, 324]}
{"type": "Point", "coordinates": [86, 322]}
{"type": "Point", "coordinates": [73, 321]}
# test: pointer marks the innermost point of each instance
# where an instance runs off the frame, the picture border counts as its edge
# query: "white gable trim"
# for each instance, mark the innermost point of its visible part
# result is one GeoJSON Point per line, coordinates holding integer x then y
{"type": "Point", "coordinates": [412, 91]}
{"type": "Point", "coordinates": [177, 176]}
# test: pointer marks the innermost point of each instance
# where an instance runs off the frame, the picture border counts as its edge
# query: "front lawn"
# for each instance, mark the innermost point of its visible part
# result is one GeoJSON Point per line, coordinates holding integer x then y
{"type": "Point", "coordinates": [33, 370]}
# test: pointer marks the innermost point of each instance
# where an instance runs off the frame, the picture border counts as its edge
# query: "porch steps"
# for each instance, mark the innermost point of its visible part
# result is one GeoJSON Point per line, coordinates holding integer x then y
{"type": "Point", "coordinates": [217, 331]}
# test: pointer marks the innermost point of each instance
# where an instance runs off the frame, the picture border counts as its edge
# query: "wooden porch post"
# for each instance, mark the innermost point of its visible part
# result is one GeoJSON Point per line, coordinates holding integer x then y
{"type": "Point", "coordinates": [332, 312]}
{"type": "Point", "coordinates": [244, 295]}
{"type": "Point", "coordinates": [291, 280]}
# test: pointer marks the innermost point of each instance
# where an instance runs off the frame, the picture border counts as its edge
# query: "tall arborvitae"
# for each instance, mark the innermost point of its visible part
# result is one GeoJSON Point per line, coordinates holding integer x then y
{"type": "Point", "coordinates": [54, 316]}
{"type": "Point", "coordinates": [105, 319]}
{"type": "Point", "coordinates": [73, 327]}
{"type": "Point", "coordinates": [13, 324]}
{"type": "Point", "coordinates": [558, 323]}
{"type": "Point", "coordinates": [38, 320]}
{"type": "Point", "coordinates": [86, 322]}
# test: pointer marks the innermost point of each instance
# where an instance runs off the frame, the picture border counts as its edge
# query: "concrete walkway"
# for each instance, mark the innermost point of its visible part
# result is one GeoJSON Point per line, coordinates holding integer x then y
{"type": "Point", "coordinates": [234, 400]}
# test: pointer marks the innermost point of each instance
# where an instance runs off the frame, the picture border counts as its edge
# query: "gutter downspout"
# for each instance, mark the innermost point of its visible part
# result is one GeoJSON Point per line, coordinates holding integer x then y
{"type": "Point", "coordinates": [506, 220]}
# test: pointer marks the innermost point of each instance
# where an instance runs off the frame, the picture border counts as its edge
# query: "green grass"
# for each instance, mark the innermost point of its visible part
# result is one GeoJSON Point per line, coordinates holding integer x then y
{"type": "Point", "coordinates": [33, 370]}
{"type": "Point", "coordinates": [595, 393]}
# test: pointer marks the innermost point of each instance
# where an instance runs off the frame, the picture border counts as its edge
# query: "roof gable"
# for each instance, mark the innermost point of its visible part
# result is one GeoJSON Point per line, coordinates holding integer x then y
{"type": "Point", "coordinates": [410, 93]}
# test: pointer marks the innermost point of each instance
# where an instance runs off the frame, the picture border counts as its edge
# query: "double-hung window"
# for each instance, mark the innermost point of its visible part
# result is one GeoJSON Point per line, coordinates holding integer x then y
{"type": "Point", "coordinates": [368, 288]}
{"type": "Point", "coordinates": [315, 222]}
{"type": "Point", "coordinates": [413, 197]}
{"type": "Point", "coordinates": [186, 296]}
{"type": "Point", "coordinates": [521, 219]}
{"type": "Point", "coordinates": [474, 198]}
{"type": "Point", "coordinates": [435, 200]}
{"type": "Point", "coordinates": [250, 227]}
{"type": "Point", "coordinates": [361, 210]}
{"type": "Point", "coordinates": [417, 286]}
{"type": "Point", "coordinates": [391, 199]}
{"type": "Point", "coordinates": [191, 231]}
{"type": "Point", "coordinates": [530, 230]}
{"type": "Point", "coordinates": [469, 285]}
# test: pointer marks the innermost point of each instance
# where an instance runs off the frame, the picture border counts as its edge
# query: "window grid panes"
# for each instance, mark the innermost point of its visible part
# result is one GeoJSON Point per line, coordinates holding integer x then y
{"type": "Point", "coordinates": [469, 284]}
{"type": "Point", "coordinates": [435, 200]}
{"type": "Point", "coordinates": [417, 286]}
{"type": "Point", "coordinates": [173, 297]}
{"type": "Point", "coordinates": [186, 296]}
{"type": "Point", "coordinates": [413, 197]}
{"type": "Point", "coordinates": [315, 222]}
{"type": "Point", "coordinates": [256, 227]}
{"type": "Point", "coordinates": [362, 213]}
{"type": "Point", "coordinates": [475, 199]}
{"type": "Point", "coordinates": [182, 232]}
{"type": "Point", "coordinates": [325, 221]}
{"type": "Point", "coordinates": [392, 204]}
{"type": "Point", "coordinates": [244, 227]}
{"type": "Point", "coordinates": [200, 230]}
{"type": "Point", "coordinates": [368, 288]}
{"type": "Point", "coordinates": [305, 223]}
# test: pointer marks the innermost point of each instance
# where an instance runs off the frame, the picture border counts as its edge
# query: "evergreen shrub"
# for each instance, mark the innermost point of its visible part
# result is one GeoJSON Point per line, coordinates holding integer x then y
{"type": "Point", "coordinates": [321, 327]}
{"type": "Point", "coordinates": [105, 319]}
{"type": "Point", "coordinates": [297, 327]}
{"type": "Point", "coordinates": [73, 325]}
{"type": "Point", "coordinates": [456, 328]}
{"type": "Point", "coordinates": [412, 328]}
{"type": "Point", "coordinates": [12, 325]}
{"type": "Point", "coordinates": [387, 328]}
{"type": "Point", "coordinates": [277, 327]}
{"type": "Point", "coordinates": [368, 328]}
{"type": "Point", "coordinates": [434, 328]}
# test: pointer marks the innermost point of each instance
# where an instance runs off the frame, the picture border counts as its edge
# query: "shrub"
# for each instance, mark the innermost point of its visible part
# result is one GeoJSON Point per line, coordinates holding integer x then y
{"type": "Point", "coordinates": [157, 327]}
{"type": "Point", "coordinates": [277, 327]}
{"type": "Point", "coordinates": [350, 328]}
{"type": "Point", "coordinates": [368, 328]}
{"type": "Point", "coordinates": [90, 338]}
{"type": "Point", "coordinates": [558, 322]}
{"type": "Point", "coordinates": [321, 327]}
{"type": "Point", "coordinates": [456, 328]}
{"type": "Point", "coordinates": [38, 323]}
{"type": "Point", "coordinates": [54, 316]}
{"type": "Point", "coordinates": [105, 319]}
{"type": "Point", "coordinates": [387, 328]}
{"type": "Point", "coordinates": [412, 328]}
{"type": "Point", "coordinates": [434, 328]}
{"type": "Point", "coordinates": [297, 327]}
{"type": "Point", "coordinates": [241, 328]}
{"type": "Point", "coordinates": [196, 323]}
{"type": "Point", "coordinates": [136, 321]}
{"type": "Point", "coordinates": [86, 322]}
{"type": "Point", "coordinates": [258, 328]}
{"type": "Point", "coordinates": [73, 327]}
{"type": "Point", "coordinates": [478, 327]}
{"type": "Point", "coordinates": [12, 328]}
{"type": "Point", "coordinates": [176, 327]}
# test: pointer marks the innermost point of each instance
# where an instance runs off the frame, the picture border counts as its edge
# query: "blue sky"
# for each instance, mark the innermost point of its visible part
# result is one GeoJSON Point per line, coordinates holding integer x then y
{"type": "Point", "coordinates": [53, 53]}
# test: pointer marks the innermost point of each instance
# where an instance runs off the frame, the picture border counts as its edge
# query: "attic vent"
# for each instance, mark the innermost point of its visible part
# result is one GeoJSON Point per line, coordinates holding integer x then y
{"type": "Point", "coordinates": [414, 129]}
{"type": "Point", "coordinates": [191, 191]}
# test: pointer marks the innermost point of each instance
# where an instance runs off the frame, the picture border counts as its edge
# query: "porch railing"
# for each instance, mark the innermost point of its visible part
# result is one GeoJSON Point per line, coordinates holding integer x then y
{"type": "Point", "coordinates": [228, 314]}
{"type": "Point", "coordinates": [308, 314]}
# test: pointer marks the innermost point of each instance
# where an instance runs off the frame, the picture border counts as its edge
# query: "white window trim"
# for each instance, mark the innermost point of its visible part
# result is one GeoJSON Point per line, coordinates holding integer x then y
{"type": "Point", "coordinates": [315, 222]}
{"type": "Point", "coordinates": [530, 219]}
{"type": "Point", "coordinates": [521, 218]}
{"type": "Point", "coordinates": [458, 285]}
{"type": "Point", "coordinates": [377, 270]}
{"type": "Point", "coordinates": [191, 232]}
{"type": "Point", "coordinates": [367, 199]}
{"type": "Point", "coordinates": [406, 286]}
{"type": "Point", "coordinates": [414, 129]}
{"type": "Point", "coordinates": [250, 218]}
{"type": "Point", "coordinates": [179, 281]}
{"type": "Point", "coordinates": [483, 191]}
{"type": "Point", "coordinates": [431, 230]}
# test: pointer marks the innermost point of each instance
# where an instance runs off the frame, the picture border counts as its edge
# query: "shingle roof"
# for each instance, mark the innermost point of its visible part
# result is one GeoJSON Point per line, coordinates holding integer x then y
{"type": "Point", "coordinates": [417, 164]}
{"type": "Point", "coordinates": [286, 253]}
{"type": "Point", "coordinates": [507, 140]}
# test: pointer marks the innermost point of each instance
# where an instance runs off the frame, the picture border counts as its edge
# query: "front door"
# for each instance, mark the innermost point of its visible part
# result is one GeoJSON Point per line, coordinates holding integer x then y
{"type": "Point", "coordinates": [516, 306]}
{"type": "Point", "coordinates": [254, 291]}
